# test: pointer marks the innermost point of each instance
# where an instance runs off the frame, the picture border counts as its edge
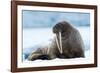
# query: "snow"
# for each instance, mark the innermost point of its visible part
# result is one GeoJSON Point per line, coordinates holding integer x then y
{"type": "Point", "coordinates": [35, 37]}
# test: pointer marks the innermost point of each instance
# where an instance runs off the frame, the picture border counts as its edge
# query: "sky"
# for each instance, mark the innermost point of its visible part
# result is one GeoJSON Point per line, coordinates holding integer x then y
{"type": "Point", "coordinates": [41, 19]}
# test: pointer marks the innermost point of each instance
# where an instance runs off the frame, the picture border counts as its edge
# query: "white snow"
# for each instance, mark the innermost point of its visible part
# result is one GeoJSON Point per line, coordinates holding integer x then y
{"type": "Point", "coordinates": [35, 37]}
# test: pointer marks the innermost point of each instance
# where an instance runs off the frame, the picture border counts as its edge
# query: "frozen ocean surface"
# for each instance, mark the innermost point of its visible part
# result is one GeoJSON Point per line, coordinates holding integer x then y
{"type": "Point", "coordinates": [35, 37]}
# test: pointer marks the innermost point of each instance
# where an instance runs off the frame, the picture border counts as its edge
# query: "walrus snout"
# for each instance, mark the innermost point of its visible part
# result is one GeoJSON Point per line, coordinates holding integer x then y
{"type": "Point", "coordinates": [56, 30]}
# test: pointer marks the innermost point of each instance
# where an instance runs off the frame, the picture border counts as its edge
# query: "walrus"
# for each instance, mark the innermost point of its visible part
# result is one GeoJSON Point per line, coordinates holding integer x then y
{"type": "Point", "coordinates": [66, 44]}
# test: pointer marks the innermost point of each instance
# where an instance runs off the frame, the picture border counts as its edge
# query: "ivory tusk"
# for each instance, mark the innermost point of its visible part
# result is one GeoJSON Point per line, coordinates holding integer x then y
{"type": "Point", "coordinates": [59, 44]}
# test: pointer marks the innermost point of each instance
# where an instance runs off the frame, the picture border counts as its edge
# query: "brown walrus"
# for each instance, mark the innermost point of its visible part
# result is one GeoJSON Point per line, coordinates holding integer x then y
{"type": "Point", "coordinates": [67, 44]}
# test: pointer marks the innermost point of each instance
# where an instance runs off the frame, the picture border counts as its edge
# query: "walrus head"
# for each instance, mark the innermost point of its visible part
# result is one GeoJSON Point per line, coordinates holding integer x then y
{"type": "Point", "coordinates": [62, 27]}
{"type": "Point", "coordinates": [59, 29]}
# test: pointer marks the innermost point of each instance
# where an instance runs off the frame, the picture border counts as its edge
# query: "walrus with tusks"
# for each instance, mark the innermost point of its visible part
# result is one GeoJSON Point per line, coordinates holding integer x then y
{"type": "Point", "coordinates": [67, 44]}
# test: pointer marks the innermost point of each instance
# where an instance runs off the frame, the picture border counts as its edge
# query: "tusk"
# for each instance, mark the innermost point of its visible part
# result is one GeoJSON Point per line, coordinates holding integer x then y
{"type": "Point", "coordinates": [59, 44]}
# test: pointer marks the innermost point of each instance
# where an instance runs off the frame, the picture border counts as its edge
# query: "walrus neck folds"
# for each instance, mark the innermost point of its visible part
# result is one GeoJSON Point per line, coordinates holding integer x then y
{"type": "Point", "coordinates": [59, 42]}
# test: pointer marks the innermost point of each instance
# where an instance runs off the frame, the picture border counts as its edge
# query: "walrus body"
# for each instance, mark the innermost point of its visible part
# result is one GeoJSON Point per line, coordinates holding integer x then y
{"type": "Point", "coordinates": [72, 44]}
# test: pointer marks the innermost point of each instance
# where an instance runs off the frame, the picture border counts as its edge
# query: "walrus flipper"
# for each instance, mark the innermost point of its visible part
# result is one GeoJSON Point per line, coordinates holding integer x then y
{"type": "Point", "coordinates": [34, 56]}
